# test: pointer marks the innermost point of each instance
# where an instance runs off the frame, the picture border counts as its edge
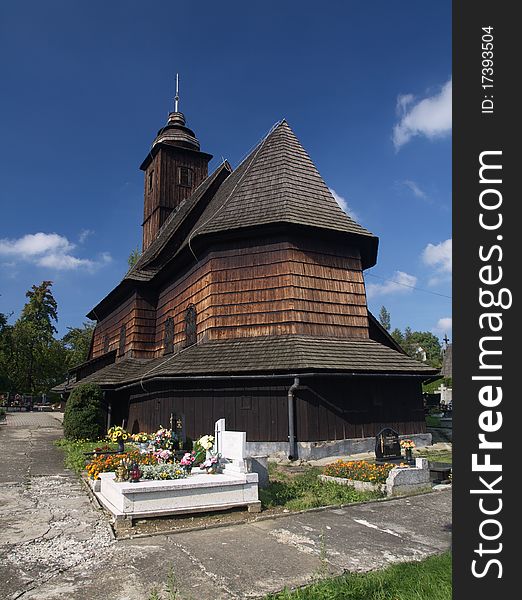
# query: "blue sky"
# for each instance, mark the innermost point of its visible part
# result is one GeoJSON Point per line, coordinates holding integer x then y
{"type": "Point", "coordinates": [366, 86]}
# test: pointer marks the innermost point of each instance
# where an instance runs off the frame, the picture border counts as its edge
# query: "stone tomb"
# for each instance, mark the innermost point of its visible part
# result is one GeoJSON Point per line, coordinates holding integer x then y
{"type": "Point", "coordinates": [388, 447]}
{"type": "Point", "coordinates": [199, 492]}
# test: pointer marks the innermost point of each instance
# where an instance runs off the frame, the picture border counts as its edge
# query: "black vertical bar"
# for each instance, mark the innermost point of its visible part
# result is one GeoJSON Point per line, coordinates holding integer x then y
{"type": "Point", "coordinates": [485, 121]}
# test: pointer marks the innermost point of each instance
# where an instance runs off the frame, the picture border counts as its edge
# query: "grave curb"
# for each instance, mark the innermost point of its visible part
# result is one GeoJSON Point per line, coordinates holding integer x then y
{"type": "Point", "coordinates": [275, 516]}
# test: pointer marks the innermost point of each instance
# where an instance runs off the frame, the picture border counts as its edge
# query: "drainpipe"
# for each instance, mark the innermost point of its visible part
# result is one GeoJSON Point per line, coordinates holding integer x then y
{"type": "Point", "coordinates": [292, 454]}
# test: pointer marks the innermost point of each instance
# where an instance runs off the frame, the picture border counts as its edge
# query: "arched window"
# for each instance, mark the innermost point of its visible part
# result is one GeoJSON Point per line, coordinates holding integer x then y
{"type": "Point", "coordinates": [168, 340]}
{"type": "Point", "coordinates": [123, 339]}
{"type": "Point", "coordinates": [190, 326]}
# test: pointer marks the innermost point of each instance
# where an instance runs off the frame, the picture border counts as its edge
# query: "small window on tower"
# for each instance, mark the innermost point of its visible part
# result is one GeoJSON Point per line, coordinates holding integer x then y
{"type": "Point", "coordinates": [151, 180]}
{"type": "Point", "coordinates": [184, 176]}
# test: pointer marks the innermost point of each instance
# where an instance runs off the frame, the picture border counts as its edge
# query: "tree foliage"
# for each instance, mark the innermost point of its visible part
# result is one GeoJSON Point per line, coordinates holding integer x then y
{"type": "Point", "coordinates": [5, 351]}
{"type": "Point", "coordinates": [77, 342]}
{"type": "Point", "coordinates": [134, 257]}
{"type": "Point", "coordinates": [84, 416]}
{"type": "Point", "coordinates": [385, 318]}
{"type": "Point", "coordinates": [32, 360]}
{"type": "Point", "coordinates": [411, 341]}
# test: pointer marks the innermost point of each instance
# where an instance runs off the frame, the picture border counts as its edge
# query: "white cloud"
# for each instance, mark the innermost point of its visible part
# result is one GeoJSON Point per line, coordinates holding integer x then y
{"type": "Point", "coordinates": [430, 116]}
{"type": "Point", "coordinates": [48, 250]}
{"type": "Point", "coordinates": [443, 325]}
{"type": "Point", "coordinates": [439, 256]}
{"type": "Point", "coordinates": [403, 101]}
{"type": "Point", "coordinates": [415, 189]}
{"type": "Point", "coordinates": [84, 234]}
{"type": "Point", "coordinates": [400, 283]}
{"type": "Point", "coordinates": [342, 202]}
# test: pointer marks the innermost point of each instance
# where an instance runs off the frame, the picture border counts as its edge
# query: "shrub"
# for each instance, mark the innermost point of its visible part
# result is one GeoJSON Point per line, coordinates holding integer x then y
{"type": "Point", "coordinates": [84, 418]}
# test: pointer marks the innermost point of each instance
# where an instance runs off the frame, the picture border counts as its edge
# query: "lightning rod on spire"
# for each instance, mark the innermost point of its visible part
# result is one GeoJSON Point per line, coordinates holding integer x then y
{"type": "Point", "coordinates": [176, 97]}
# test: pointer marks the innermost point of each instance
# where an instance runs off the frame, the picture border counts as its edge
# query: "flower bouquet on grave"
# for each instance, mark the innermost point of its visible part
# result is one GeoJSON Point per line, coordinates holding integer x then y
{"type": "Point", "coordinates": [119, 435]}
{"type": "Point", "coordinates": [408, 446]}
{"type": "Point", "coordinates": [164, 439]}
{"type": "Point", "coordinates": [187, 462]}
{"type": "Point", "coordinates": [212, 463]}
{"type": "Point", "coordinates": [164, 456]}
{"type": "Point", "coordinates": [142, 441]}
{"type": "Point", "coordinates": [202, 448]}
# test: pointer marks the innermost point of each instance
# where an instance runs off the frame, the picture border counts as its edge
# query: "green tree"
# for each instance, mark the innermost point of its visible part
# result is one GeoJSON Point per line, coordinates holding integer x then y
{"type": "Point", "coordinates": [134, 257]}
{"type": "Point", "coordinates": [37, 361]}
{"type": "Point", "coordinates": [398, 337]}
{"type": "Point", "coordinates": [84, 416]}
{"type": "Point", "coordinates": [410, 341]}
{"type": "Point", "coordinates": [385, 318]}
{"type": "Point", "coordinates": [413, 340]}
{"type": "Point", "coordinates": [77, 342]}
{"type": "Point", "coordinates": [5, 353]}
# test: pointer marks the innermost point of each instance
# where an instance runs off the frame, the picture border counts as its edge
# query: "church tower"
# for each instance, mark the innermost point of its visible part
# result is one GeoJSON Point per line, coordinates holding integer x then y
{"type": "Point", "coordinates": [174, 168]}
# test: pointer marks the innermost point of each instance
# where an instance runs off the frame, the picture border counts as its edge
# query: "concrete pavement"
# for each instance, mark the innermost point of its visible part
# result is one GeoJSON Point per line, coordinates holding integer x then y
{"type": "Point", "coordinates": [56, 544]}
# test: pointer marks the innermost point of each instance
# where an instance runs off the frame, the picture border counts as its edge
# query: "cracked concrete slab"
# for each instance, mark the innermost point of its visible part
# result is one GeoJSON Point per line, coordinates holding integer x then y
{"type": "Point", "coordinates": [56, 544]}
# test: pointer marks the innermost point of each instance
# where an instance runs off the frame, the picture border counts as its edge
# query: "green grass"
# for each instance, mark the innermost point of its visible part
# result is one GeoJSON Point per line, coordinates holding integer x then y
{"type": "Point", "coordinates": [74, 452]}
{"type": "Point", "coordinates": [429, 579]}
{"type": "Point", "coordinates": [305, 490]}
{"type": "Point", "coordinates": [438, 456]}
{"type": "Point", "coordinates": [432, 421]}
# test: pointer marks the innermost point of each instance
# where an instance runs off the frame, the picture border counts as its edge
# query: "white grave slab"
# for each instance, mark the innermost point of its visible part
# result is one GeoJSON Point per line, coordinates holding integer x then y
{"type": "Point", "coordinates": [199, 492]}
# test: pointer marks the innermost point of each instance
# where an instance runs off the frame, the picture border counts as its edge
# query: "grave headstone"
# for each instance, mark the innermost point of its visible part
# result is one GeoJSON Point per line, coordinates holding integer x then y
{"type": "Point", "coordinates": [233, 445]}
{"type": "Point", "coordinates": [387, 446]}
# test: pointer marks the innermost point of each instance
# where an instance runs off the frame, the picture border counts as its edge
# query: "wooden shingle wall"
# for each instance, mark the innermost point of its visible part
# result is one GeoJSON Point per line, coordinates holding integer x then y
{"type": "Point", "coordinates": [271, 288]}
{"type": "Point", "coordinates": [263, 288]}
{"type": "Point", "coordinates": [138, 314]}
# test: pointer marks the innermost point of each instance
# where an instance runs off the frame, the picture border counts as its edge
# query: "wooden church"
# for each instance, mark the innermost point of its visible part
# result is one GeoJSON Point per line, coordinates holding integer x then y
{"type": "Point", "coordinates": [248, 303]}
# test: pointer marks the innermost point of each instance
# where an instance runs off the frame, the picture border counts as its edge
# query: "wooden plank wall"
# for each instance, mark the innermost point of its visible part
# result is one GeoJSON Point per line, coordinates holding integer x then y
{"type": "Point", "coordinates": [271, 288]}
{"type": "Point", "coordinates": [259, 289]}
{"type": "Point", "coordinates": [353, 408]}
{"type": "Point", "coordinates": [330, 410]}
{"type": "Point", "coordinates": [138, 314]}
{"type": "Point", "coordinates": [261, 411]}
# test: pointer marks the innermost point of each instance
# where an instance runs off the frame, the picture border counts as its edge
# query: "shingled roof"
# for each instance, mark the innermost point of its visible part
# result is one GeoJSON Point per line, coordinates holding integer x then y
{"type": "Point", "coordinates": [268, 355]}
{"type": "Point", "coordinates": [277, 183]}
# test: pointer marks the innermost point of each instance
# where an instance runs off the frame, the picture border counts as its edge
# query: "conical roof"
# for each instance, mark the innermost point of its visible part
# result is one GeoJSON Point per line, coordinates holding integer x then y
{"type": "Point", "coordinates": [276, 183]}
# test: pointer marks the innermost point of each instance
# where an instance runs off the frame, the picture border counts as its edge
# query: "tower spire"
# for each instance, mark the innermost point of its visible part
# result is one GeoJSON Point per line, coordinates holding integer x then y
{"type": "Point", "coordinates": [176, 97]}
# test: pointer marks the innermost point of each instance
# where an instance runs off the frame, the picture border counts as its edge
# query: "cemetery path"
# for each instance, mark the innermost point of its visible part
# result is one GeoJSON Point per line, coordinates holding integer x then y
{"type": "Point", "coordinates": [56, 544]}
